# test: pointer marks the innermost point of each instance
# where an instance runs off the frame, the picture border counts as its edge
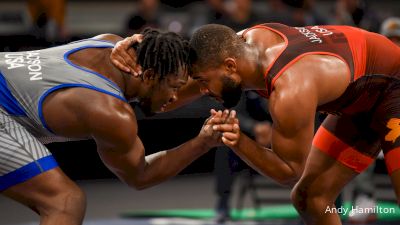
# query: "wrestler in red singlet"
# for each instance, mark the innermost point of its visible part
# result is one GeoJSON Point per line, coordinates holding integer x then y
{"type": "Point", "coordinates": [366, 118]}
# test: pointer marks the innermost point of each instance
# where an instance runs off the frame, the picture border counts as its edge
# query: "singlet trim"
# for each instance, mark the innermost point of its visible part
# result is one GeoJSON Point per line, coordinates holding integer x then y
{"type": "Point", "coordinates": [45, 94]}
{"type": "Point", "coordinates": [87, 70]}
{"type": "Point", "coordinates": [305, 54]}
{"type": "Point", "coordinates": [276, 31]}
{"type": "Point", "coordinates": [276, 58]}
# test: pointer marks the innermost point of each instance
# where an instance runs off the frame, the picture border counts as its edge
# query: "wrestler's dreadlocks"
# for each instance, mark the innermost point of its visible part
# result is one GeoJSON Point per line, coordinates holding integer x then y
{"type": "Point", "coordinates": [164, 52]}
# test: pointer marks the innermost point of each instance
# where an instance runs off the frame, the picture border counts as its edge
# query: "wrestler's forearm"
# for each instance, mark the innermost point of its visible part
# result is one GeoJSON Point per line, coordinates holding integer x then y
{"type": "Point", "coordinates": [265, 161]}
{"type": "Point", "coordinates": [163, 165]}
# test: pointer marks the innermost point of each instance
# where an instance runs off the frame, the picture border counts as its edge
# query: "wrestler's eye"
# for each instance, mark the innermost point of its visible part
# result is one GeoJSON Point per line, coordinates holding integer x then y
{"type": "Point", "coordinates": [175, 87]}
{"type": "Point", "coordinates": [202, 81]}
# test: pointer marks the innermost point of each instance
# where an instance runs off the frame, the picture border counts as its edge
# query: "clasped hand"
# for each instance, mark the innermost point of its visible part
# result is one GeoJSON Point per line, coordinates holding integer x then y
{"type": "Point", "coordinates": [222, 127]}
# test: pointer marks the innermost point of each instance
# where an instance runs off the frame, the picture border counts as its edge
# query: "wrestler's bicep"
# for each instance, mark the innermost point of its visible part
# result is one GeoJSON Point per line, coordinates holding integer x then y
{"type": "Point", "coordinates": [118, 144]}
{"type": "Point", "coordinates": [293, 127]}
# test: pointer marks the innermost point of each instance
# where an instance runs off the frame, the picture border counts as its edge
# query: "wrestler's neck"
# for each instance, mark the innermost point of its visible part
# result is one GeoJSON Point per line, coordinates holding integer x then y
{"type": "Point", "coordinates": [131, 86]}
{"type": "Point", "coordinates": [260, 54]}
{"type": "Point", "coordinates": [251, 70]}
{"type": "Point", "coordinates": [128, 84]}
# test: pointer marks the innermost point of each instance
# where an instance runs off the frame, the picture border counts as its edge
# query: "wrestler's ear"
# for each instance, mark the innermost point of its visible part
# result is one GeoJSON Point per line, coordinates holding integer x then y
{"type": "Point", "coordinates": [230, 65]}
{"type": "Point", "coordinates": [149, 75]}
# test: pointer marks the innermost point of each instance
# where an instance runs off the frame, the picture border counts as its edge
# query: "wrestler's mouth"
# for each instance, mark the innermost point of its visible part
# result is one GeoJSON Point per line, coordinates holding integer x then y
{"type": "Point", "coordinates": [216, 97]}
{"type": "Point", "coordinates": [219, 99]}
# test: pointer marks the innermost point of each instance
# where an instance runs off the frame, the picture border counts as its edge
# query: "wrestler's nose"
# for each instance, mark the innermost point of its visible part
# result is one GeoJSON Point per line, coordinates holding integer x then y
{"type": "Point", "coordinates": [204, 90]}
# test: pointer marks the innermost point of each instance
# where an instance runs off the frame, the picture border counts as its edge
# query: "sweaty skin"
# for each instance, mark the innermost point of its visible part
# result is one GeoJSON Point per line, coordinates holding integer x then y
{"type": "Point", "coordinates": [68, 114]}
{"type": "Point", "coordinates": [311, 81]}
{"type": "Point", "coordinates": [85, 113]}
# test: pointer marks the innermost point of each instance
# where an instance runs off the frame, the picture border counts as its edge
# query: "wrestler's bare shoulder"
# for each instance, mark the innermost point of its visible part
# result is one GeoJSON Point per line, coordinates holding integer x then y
{"type": "Point", "coordinates": [330, 75]}
{"type": "Point", "coordinates": [262, 37]}
{"type": "Point", "coordinates": [70, 112]}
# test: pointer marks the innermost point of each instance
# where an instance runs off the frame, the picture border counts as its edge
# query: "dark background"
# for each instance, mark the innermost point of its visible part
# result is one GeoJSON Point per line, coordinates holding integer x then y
{"type": "Point", "coordinates": [80, 160]}
{"type": "Point", "coordinates": [86, 18]}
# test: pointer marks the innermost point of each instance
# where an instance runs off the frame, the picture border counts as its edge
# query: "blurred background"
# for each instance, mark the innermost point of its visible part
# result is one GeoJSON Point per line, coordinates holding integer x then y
{"type": "Point", "coordinates": [210, 181]}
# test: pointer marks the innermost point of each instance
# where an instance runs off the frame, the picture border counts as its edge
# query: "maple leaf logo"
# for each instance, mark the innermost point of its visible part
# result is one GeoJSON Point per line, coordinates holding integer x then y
{"type": "Point", "coordinates": [394, 125]}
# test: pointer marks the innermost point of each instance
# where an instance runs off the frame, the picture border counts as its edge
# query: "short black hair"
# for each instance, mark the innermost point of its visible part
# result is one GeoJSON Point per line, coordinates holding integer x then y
{"type": "Point", "coordinates": [212, 43]}
{"type": "Point", "coordinates": [164, 52]}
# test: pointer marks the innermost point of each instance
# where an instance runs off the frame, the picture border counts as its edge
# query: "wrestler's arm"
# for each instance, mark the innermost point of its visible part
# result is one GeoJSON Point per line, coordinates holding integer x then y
{"type": "Point", "coordinates": [123, 55]}
{"type": "Point", "coordinates": [293, 117]}
{"type": "Point", "coordinates": [123, 153]}
{"type": "Point", "coordinates": [292, 110]}
{"type": "Point", "coordinates": [108, 37]}
{"type": "Point", "coordinates": [291, 140]}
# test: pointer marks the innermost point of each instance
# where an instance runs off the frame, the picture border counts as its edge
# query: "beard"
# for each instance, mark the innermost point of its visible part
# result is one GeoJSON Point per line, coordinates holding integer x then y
{"type": "Point", "coordinates": [231, 92]}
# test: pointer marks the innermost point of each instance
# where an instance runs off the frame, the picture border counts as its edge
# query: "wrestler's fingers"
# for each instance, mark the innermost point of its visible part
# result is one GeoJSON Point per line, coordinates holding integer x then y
{"type": "Point", "coordinates": [131, 60]}
{"type": "Point", "coordinates": [217, 119]}
{"type": "Point", "coordinates": [228, 143]}
{"type": "Point", "coordinates": [223, 127]}
{"type": "Point", "coordinates": [119, 55]}
{"type": "Point", "coordinates": [117, 62]}
{"type": "Point", "coordinates": [219, 114]}
{"type": "Point", "coordinates": [128, 59]}
{"type": "Point", "coordinates": [232, 114]}
{"type": "Point", "coordinates": [230, 136]}
{"type": "Point", "coordinates": [232, 121]}
{"type": "Point", "coordinates": [232, 118]}
{"type": "Point", "coordinates": [136, 38]}
{"type": "Point", "coordinates": [124, 56]}
{"type": "Point", "coordinates": [225, 114]}
{"type": "Point", "coordinates": [129, 41]}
